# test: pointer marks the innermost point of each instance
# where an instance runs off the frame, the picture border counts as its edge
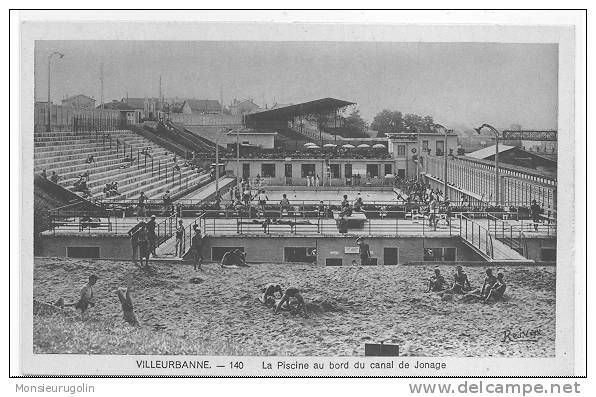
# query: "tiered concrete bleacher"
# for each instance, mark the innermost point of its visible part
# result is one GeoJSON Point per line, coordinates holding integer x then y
{"type": "Point", "coordinates": [66, 154]}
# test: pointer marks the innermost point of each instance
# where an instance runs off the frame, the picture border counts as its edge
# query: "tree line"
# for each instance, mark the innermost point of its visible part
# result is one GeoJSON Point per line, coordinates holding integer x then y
{"type": "Point", "coordinates": [386, 121]}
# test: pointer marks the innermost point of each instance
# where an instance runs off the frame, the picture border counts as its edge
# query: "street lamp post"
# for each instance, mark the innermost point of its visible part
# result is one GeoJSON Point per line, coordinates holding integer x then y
{"type": "Point", "coordinates": [497, 136]}
{"type": "Point", "coordinates": [439, 126]}
{"type": "Point", "coordinates": [60, 55]}
{"type": "Point", "coordinates": [237, 159]}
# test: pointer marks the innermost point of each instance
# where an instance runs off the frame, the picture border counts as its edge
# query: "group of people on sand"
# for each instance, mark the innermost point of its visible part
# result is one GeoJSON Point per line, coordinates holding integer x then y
{"type": "Point", "coordinates": [290, 299]}
{"type": "Point", "coordinates": [493, 287]}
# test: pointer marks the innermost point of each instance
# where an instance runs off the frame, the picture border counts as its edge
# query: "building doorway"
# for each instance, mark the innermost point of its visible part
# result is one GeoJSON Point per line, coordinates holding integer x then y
{"type": "Point", "coordinates": [390, 256]}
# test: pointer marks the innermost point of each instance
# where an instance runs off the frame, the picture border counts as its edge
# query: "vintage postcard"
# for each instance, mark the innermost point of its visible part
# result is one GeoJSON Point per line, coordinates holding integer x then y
{"type": "Point", "coordinates": [298, 199]}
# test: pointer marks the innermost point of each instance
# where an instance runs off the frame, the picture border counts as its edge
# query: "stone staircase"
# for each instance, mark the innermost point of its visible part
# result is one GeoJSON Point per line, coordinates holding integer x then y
{"type": "Point", "coordinates": [66, 154]}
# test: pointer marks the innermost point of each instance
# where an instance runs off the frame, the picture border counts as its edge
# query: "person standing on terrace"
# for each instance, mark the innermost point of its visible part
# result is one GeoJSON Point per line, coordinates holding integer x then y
{"type": "Point", "coordinates": [535, 212]}
{"type": "Point", "coordinates": [284, 204]}
{"type": "Point", "coordinates": [141, 205]}
{"type": "Point", "coordinates": [364, 249]}
{"type": "Point", "coordinates": [262, 198]}
{"type": "Point", "coordinates": [151, 235]}
{"type": "Point", "coordinates": [180, 239]}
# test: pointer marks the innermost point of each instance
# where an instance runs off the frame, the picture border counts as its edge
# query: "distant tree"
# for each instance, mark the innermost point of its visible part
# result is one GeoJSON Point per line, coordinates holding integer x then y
{"type": "Point", "coordinates": [354, 126]}
{"type": "Point", "coordinates": [413, 123]}
{"type": "Point", "coordinates": [387, 122]}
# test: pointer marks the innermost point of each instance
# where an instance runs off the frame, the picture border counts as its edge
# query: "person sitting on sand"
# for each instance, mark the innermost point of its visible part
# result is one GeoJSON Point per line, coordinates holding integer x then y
{"type": "Point", "coordinates": [481, 294]}
{"type": "Point", "coordinates": [267, 296]}
{"type": "Point", "coordinates": [436, 282]}
{"type": "Point", "coordinates": [86, 300]}
{"type": "Point", "coordinates": [489, 281]}
{"type": "Point", "coordinates": [127, 307]}
{"type": "Point", "coordinates": [461, 284]}
{"type": "Point", "coordinates": [292, 292]}
{"type": "Point", "coordinates": [497, 290]}
{"type": "Point", "coordinates": [234, 258]}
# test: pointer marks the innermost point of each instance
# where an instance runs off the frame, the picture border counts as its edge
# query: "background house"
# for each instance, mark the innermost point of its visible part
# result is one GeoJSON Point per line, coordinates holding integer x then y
{"type": "Point", "coordinates": [243, 106]}
{"type": "Point", "coordinates": [79, 101]}
{"type": "Point", "coordinates": [201, 106]}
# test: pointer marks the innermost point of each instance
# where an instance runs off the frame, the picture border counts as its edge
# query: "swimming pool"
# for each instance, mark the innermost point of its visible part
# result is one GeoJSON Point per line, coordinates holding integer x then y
{"type": "Point", "coordinates": [328, 195]}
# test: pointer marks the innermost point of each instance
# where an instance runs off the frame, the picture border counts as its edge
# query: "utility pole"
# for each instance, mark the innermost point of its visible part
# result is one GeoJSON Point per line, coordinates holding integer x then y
{"type": "Point", "coordinates": [101, 81]}
{"type": "Point", "coordinates": [60, 55]}
{"type": "Point", "coordinates": [445, 186]}
{"type": "Point", "coordinates": [221, 99]}
{"type": "Point", "coordinates": [497, 136]}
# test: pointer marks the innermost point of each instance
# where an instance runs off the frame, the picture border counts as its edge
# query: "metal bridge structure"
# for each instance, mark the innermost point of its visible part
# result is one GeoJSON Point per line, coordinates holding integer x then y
{"type": "Point", "coordinates": [529, 135]}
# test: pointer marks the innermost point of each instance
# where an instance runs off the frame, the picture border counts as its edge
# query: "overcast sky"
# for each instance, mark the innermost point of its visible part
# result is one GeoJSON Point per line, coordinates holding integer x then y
{"type": "Point", "coordinates": [458, 84]}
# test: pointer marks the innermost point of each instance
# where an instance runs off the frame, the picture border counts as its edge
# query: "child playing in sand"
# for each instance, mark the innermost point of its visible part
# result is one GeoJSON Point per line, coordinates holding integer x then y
{"type": "Point", "coordinates": [127, 307]}
{"type": "Point", "coordinates": [292, 292]}
{"type": "Point", "coordinates": [267, 296]}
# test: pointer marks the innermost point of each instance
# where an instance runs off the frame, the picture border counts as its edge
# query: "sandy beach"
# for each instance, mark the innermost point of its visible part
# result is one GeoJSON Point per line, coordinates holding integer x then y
{"type": "Point", "coordinates": [350, 306]}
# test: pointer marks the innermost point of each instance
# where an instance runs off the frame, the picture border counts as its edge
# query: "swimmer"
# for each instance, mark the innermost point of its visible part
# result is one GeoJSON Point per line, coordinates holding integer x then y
{"type": "Point", "coordinates": [267, 296]}
{"type": "Point", "coordinates": [436, 282]}
{"type": "Point", "coordinates": [292, 292]}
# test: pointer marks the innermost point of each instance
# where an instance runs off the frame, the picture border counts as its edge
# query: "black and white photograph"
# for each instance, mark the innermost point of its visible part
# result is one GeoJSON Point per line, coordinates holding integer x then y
{"type": "Point", "coordinates": [274, 201]}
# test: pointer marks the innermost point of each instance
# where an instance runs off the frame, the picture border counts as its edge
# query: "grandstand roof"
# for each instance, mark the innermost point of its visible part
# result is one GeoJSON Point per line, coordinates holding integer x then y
{"type": "Point", "coordinates": [290, 111]}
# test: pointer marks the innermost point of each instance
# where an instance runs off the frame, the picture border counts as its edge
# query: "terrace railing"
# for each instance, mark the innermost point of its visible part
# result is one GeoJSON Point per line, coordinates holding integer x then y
{"type": "Point", "coordinates": [476, 236]}
{"type": "Point", "coordinates": [165, 229]}
{"type": "Point", "coordinates": [383, 223]}
{"type": "Point", "coordinates": [502, 229]}
{"type": "Point", "coordinates": [189, 232]}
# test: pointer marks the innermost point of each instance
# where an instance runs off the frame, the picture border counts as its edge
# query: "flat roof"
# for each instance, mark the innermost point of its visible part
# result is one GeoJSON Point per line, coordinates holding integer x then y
{"type": "Point", "coordinates": [488, 151]}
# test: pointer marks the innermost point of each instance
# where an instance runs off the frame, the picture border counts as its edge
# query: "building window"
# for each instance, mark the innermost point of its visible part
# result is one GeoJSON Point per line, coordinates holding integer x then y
{"type": "Point", "coordinates": [300, 254]}
{"type": "Point", "coordinates": [440, 148]}
{"type": "Point", "coordinates": [388, 169]}
{"type": "Point", "coordinates": [333, 262]}
{"type": "Point", "coordinates": [548, 254]}
{"type": "Point", "coordinates": [372, 170]}
{"type": "Point", "coordinates": [390, 256]}
{"type": "Point", "coordinates": [443, 254]}
{"type": "Point", "coordinates": [288, 170]}
{"type": "Point", "coordinates": [218, 252]}
{"type": "Point", "coordinates": [401, 150]}
{"type": "Point", "coordinates": [348, 170]}
{"type": "Point", "coordinates": [245, 170]}
{"type": "Point", "coordinates": [424, 145]}
{"type": "Point", "coordinates": [307, 170]}
{"type": "Point", "coordinates": [268, 170]}
{"type": "Point", "coordinates": [334, 170]}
